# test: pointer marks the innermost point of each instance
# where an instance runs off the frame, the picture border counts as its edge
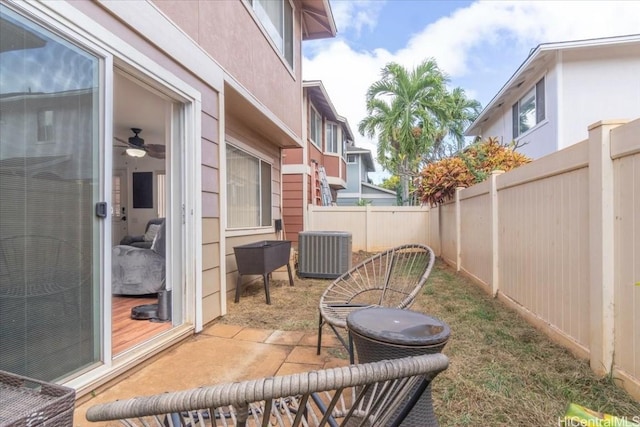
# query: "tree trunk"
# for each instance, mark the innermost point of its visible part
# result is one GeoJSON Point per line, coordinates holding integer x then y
{"type": "Point", "coordinates": [404, 183]}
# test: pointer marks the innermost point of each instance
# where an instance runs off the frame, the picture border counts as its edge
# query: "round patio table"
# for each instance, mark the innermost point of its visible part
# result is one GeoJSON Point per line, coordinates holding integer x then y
{"type": "Point", "coordinates": [381, 333]}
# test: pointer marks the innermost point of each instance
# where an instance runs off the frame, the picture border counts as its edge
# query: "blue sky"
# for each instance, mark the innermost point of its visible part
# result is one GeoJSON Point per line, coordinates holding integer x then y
{"type": "Point", "coordinates": [478, 44]}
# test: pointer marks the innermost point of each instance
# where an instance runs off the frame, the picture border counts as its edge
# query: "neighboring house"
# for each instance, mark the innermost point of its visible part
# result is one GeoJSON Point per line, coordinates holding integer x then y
{"type": "Point", "coordinates": [561, 89]}
{"type": "Point", "coordinates": [215, 86]}
{"type": "Point", "coordinates": [326, 134]}
{"type": "Point", "coordinates": [360, 189]}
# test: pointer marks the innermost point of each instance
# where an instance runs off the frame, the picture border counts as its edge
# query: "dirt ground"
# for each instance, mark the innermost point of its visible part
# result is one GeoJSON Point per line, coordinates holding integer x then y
{"type": "Point", "coordinates": [503, 372]}
{"type": "Point", "coordinates": [293, 308]}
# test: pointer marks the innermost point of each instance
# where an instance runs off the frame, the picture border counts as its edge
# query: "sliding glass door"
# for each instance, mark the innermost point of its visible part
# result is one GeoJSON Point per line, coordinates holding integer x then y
{"type": "Point", "coordinates": [49, 186]}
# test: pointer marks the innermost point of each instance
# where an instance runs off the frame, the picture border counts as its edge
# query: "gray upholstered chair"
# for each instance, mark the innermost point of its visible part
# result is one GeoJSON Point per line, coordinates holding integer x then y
{"type": "Point", "coordinates": [144, 240]}
{"type": "Point", "coordinates": [139, 271]}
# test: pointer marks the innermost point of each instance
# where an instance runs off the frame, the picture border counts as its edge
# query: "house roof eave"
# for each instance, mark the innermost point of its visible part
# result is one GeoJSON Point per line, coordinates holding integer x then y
{"type": "Point", "coordinates": [242, 105]}
{"type": "Point", "coordinates": [317, 20]}
{"type": "Point", "coordinates": [538, 57]}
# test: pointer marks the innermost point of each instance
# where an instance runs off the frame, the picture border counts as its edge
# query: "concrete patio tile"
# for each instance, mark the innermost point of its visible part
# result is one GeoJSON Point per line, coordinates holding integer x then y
{"type": "Point", "coordinates": [307, 355]}
{"type": "Point", "coordinates": [205, 361]}
{"type": "Point", "coordinates": [296, 368]}
{"type": "Point", "coordinates": [285, 337]}
{"type": "Point", "coordinates": [328, 340]}
{"type": "Point", "coordinates": [255, 335]}
{"type": "Point", "coordinates": [222, 330]}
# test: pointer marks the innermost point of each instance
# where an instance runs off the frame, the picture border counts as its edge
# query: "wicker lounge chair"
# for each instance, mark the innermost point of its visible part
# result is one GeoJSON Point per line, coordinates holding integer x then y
{"type": "Point", "coordinates": [389, 279]}
{"type": "Point", "coordinates": [375, 394]}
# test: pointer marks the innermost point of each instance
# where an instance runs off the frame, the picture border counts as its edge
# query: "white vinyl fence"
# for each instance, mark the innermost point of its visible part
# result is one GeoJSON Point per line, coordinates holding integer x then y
{"type": "Point", "coordinates": [558, 240]}
{"type": "Point", "coordinates": [373, 228]}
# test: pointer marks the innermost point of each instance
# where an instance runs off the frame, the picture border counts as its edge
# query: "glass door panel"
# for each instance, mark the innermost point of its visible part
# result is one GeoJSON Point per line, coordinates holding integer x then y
{"type": "Point", "coordinates": [49, 183]}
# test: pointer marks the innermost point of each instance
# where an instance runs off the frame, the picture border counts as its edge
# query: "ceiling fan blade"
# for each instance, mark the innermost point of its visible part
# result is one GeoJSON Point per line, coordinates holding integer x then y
{"type": "Point", "coordinates": [156, 150]}
{"type": "Point", "coordinates": [122, 141]}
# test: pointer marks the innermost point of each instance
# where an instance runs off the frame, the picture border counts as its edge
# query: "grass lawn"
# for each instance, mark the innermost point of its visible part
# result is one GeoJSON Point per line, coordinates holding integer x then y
{"type": "Point", "coordinates": [502, 372]}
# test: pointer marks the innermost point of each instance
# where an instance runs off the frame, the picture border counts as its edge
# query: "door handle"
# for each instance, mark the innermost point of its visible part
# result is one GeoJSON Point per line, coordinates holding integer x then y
{"type": "Point", "coordinates": [101, 209]}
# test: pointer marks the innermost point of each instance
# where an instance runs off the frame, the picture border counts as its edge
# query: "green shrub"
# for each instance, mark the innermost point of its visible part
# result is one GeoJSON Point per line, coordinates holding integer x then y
{"type": "Point", "coordinates": [438, 180]}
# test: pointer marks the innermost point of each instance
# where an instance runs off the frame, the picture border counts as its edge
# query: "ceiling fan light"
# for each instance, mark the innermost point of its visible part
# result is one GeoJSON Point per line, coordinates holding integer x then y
{"type": "Point", "coordinates": [135, 152]}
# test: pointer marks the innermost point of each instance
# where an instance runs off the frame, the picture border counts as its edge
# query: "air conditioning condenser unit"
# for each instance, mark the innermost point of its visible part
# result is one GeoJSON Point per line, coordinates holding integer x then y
{"type": "Point", "coordinates": [324, 254]}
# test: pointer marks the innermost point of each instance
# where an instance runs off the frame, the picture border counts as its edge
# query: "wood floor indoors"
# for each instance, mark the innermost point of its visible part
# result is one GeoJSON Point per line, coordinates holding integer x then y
{"type": "Point", "coordinates": [128, 332]}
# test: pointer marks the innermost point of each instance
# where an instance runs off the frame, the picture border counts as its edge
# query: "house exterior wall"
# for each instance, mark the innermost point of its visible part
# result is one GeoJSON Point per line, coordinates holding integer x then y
{"type": "Point", "coordinates": [581, 87]}
{"type": "Point", "coordinates": [103, 27]}
{"type": "Point", "coordinates": [293, 205]}
{"type": "Point", "coordinates": [208, 47]}
{"type": "Point", "coordinates": [300, 183]}
{"type": "Point", "coordinates": [598, 83]}
{"type": "Point", "coordinates": [293, 156]}
{"type": "Point", "coordinates": [542, 139]}
{"type": "Point", "coordinates": [358, 189]}
{"type": "Point", "coordinates": [210, 167]}
{"type": "Point", "coordinates": [231, 35]}
{"type": "Point", "coordinates": [245, 138]}
{"type": "Point", "coordinates": [332, 165]}
{"type": "Point", "coordinates": [354, 176]}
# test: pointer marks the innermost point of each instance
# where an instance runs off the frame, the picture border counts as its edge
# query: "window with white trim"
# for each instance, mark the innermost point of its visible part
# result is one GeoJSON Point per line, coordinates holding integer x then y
{"type": "Point", "coordinates": [331, 143]}
{"type": "Point", "coordinates": [529, 110]}
{"type": "Point", "coordinates": [45, 125]}
{"type": "Point", "coordinates": [248, 190]}
{"type": "Point", "coordinates": [351, 158]}
{"type": "Point", "coordinates": [315, 127]}
{"type": "Point", "coordinates": [276, 17]}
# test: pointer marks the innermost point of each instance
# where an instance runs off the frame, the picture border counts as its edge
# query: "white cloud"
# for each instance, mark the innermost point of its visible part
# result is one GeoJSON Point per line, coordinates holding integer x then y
{"type": "Point", "coordinates": [457, 42]}
{"type": "Point", "coordinates": [356, 14]}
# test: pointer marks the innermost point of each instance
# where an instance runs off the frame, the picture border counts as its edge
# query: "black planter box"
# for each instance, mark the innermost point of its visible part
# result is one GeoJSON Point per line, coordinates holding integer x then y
{"type": "Point", "coordinates": [262, 258]}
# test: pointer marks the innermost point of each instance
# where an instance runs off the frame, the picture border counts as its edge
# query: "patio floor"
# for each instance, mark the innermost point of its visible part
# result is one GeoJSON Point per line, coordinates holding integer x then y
{"type": "Point", "coordinates": [248, 353]}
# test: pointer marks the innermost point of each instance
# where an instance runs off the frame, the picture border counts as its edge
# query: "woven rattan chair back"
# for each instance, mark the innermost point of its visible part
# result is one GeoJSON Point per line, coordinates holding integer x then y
{"type": "Point", "coordinates": [372, 394]}
{"type": "Point", "coordinates": [392, 278]}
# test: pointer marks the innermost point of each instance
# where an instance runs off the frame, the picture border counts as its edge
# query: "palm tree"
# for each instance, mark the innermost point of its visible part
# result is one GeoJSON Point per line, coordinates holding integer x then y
{"type": "Point", "coordinates": [402, 108]}
{"type": "Point", "coordinates": [460, 113]}
{"type": "Point", "coordinates": [412, 113]}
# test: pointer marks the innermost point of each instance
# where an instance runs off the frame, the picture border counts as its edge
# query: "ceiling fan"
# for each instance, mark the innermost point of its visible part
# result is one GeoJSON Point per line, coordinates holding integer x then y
{"type": "Point", "coordinates": [136, 147]}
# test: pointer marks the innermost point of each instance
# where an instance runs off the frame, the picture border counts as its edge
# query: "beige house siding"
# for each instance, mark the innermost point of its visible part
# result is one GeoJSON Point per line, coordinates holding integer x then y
{"type": "Point", "coordinates": [210, 139]}
{"type": "Point", "coordinates": [210, 175]}
{"type": "Point", "coordinates": [244, 137]}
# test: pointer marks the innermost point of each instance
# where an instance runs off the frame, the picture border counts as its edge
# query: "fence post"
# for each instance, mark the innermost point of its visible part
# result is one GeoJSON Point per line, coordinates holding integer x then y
{"type": "Point", "coordinates": [309, 214]}
{"type": "Point", "coordinates": [368, 228]}
{"type": "Point", "coordinates": [458, 230]}
{"type": "Point", "coordinates": [495, 236]}
{"type": "Point", "coordinates": [601, 246]}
